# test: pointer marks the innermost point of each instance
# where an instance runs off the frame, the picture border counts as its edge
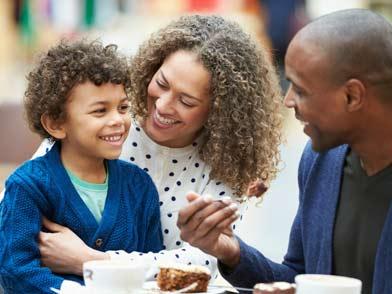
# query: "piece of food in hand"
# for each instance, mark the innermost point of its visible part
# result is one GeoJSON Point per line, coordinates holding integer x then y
{"type": "Point", "coordinates": [275, 288]}
{"type": "Point", "coordinates": [177, 276]}
{"type": "Point", "coordinates": [256, 189]}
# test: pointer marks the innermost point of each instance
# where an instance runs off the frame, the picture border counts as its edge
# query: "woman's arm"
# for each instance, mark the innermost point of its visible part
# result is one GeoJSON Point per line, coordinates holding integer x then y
{"type": "Point", "coordinates": [63, 251]}
{"type": "Point", "coordinates": [204, 223]}
{"type": "Point", "coordinates": [74, 252]}
{"type": "Point", "coordinates": [43, 148]}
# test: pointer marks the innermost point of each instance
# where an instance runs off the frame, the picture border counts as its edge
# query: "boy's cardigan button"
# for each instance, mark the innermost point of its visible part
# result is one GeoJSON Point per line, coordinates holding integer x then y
{"type": "Point", "coordinates": [98, 242]}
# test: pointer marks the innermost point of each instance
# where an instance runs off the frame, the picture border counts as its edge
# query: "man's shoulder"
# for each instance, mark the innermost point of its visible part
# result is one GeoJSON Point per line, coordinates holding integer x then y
{"type": "Point", "coordinates": [315, 166]}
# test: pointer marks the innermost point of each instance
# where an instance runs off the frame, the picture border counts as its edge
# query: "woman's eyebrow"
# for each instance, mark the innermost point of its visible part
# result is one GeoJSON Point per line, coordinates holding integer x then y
{"type": "Point", "coordinates": [185, 94]}
{"type": "Point", "coordinates": [163, 76]}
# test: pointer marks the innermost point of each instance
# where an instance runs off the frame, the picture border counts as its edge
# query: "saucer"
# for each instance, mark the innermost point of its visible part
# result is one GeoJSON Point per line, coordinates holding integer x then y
{"type": "Point", "coordinates": [153, 287]}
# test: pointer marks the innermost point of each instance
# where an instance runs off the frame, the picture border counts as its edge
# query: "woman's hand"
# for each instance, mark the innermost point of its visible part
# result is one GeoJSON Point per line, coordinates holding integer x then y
{"type": "Point", "coordinates": [63, 251]}
{"type": "Point", "coordinates": [206, 224]}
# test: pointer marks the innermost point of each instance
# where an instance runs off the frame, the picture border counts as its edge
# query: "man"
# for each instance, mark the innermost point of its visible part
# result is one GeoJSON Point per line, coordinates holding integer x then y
{"type": "Point", "coordinates": [340, 69]}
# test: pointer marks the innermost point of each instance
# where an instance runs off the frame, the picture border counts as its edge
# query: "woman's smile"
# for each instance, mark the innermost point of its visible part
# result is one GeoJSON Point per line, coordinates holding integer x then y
{"type": "Point", "coordinates": [162, 121]}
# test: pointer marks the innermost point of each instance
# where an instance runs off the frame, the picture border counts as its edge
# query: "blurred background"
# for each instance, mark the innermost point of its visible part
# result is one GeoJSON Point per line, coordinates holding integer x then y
{"type": "Point", "coordinates": [28, 27]}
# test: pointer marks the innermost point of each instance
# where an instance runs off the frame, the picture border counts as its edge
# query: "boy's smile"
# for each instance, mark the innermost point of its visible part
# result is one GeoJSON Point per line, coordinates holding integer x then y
{"type": "Point", "coordinates": [114, 139]}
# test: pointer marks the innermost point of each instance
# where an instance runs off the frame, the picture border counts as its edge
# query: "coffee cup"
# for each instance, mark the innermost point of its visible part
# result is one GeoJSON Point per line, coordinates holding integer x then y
{"type": "Point", "coordinates": [113, 276]}
{"type": "Point", "coordinates": [327, 284]}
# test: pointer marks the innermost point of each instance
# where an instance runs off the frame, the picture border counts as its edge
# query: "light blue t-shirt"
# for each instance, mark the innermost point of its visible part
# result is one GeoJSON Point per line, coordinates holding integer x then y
{"type": "Point", "coordinates": [93, 195]}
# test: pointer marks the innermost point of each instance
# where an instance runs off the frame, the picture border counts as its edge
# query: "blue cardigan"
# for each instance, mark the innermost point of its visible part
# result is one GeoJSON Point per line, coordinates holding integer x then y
{"type": "Point", "coordinates": [310, 245]}
{"type": "Point", "coordinates": [130, 220]}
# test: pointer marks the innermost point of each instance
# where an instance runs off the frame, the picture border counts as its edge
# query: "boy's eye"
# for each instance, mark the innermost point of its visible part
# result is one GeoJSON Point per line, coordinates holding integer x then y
{"type": "Point", "coordinates": [99, 110]}
{"type": "Point", "coordinates": [124, 107]}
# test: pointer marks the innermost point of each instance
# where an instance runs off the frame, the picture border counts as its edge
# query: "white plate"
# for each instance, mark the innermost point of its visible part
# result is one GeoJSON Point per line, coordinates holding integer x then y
{"type": "Point", "coordinates": [70, 290]}
{"type": "Point", "coordinates": [152, 285]}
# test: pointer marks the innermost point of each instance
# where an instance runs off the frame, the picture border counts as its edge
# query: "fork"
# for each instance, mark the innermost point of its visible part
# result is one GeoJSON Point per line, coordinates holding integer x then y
{"type": "Point", "coordinates": [222, 199]}
{"type": "Point", "coordinates": [184, 290]}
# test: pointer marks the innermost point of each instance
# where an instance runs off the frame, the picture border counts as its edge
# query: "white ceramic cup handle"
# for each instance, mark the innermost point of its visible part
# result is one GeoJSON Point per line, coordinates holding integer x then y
{"type": "Point", "coordinates": [88, 274]}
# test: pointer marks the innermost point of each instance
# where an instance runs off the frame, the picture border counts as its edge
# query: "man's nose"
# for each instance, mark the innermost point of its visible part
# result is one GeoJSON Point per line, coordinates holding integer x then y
{"type": "Point", "coordinates": [288, 99]}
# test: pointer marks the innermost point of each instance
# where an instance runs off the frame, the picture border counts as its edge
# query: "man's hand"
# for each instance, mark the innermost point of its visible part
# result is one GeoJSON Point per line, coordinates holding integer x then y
{"type": "Point", "coordinates": [206, 224]}
{"type": "Point", "coordinates": [63, 251]}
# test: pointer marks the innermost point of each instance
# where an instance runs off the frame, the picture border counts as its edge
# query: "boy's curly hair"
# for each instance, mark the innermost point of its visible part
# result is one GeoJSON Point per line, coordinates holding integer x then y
{"type": "Point", "coordinates": [61, 69]}
{"type": "Point", "coordinates": [243, 130]}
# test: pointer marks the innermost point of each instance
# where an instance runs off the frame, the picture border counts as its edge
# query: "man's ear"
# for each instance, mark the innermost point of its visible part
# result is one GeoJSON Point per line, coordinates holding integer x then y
{"type": "Point", "coordinates": [55, 128]}
{"type": "Point", "coordinates": [355, 95]}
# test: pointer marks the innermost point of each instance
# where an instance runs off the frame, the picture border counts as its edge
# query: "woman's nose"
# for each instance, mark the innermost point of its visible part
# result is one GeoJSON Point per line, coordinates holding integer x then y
{"type": "Point", "coordinates": [165, 103]}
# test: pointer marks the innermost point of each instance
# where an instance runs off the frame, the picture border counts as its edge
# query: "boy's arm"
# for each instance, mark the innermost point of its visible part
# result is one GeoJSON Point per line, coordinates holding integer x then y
{"type": "Point", "coordinates": [20, 223]}
{"type": "Point", "coordinates": [45, 146]}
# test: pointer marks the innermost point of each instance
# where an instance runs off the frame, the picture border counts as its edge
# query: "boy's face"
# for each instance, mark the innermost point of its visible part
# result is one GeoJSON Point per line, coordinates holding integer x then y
{"type": "Point", "coordinates": [97, 121]}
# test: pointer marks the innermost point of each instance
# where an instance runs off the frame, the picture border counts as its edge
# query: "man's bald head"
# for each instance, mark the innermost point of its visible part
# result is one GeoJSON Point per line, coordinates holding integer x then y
{"type": "Point", "coordinates": [357, 43]}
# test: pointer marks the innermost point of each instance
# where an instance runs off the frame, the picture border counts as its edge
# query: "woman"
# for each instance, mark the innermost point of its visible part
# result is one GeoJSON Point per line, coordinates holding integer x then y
{"type": "Point", "coordinates": [206, 104]}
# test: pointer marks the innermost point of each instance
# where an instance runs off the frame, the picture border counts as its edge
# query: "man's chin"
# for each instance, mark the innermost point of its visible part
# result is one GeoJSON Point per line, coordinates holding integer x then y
{"type": "Point", "coordinates": [320, 148]}
{"type": "Point", "coordinates": [317, 148]}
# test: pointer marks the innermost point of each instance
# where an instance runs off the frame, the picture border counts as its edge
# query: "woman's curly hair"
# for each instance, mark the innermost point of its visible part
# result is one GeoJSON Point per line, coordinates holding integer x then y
{"type": "Point", "coordinates": [243, 130]}
{"type": "Point", "coordinates": [61, 69]}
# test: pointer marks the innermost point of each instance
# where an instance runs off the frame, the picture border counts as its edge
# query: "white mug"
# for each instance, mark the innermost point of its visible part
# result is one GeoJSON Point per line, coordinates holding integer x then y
{"type": "Point", "coordinates": [327, 284]}
{"type": "Point", "coordinates": [113, 276]}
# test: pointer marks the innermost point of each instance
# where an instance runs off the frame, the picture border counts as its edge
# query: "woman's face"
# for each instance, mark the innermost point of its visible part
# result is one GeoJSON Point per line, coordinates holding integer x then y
{"type": "Point", "coordinates": [178, 100]}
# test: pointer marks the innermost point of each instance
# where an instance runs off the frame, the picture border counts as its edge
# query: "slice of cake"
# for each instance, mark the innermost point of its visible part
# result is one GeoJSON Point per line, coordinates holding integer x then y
{"type": "Point", "coordinates": [275, 288]}
{"type": "Point", "coordinates": [173, 277]}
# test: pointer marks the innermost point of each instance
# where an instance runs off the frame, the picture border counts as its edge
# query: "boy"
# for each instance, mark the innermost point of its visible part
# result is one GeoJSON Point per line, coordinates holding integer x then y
{"type": "Point", "coordinates": [77, 97]}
